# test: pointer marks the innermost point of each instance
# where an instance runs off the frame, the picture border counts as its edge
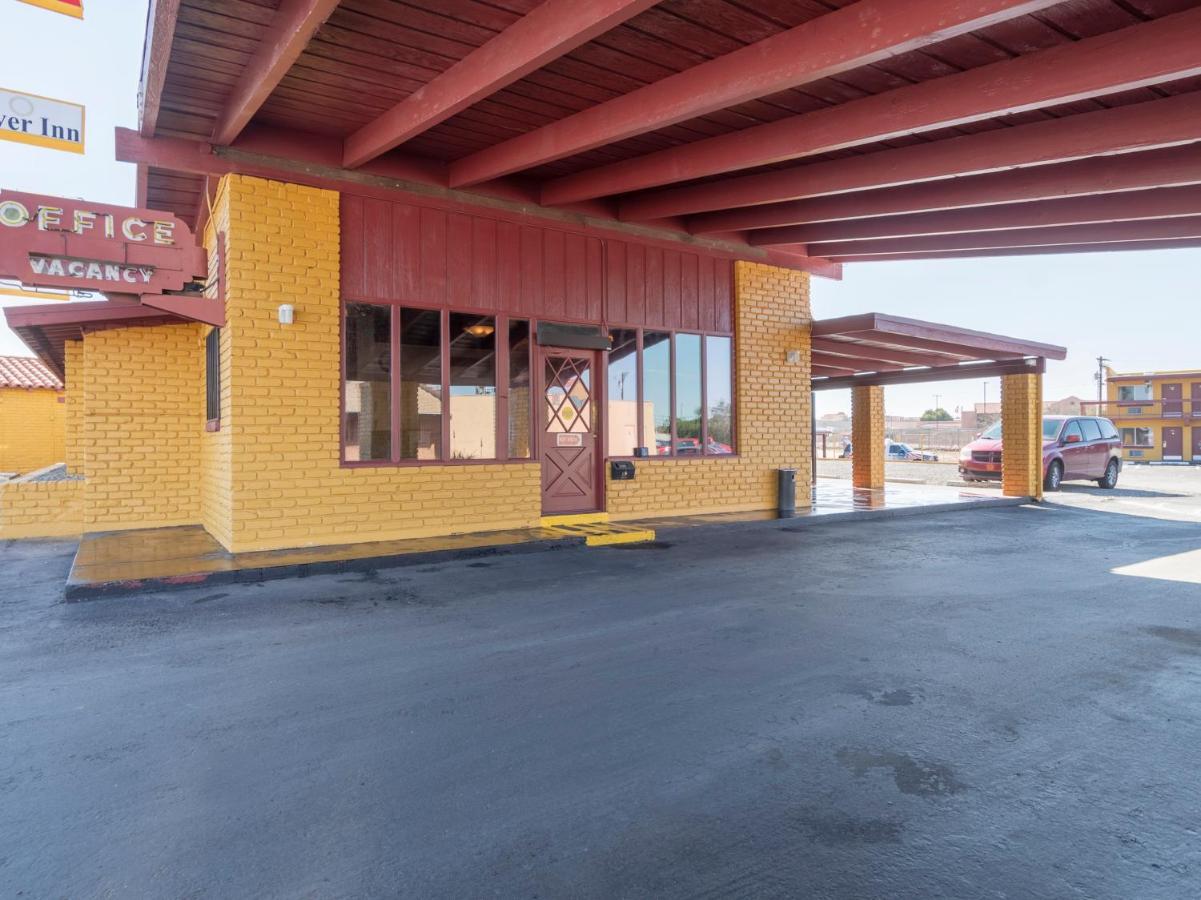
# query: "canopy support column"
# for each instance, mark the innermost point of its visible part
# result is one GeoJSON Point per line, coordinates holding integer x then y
{"type": "Point", "coordinates": [867, 436]}
{"type": "Point", "coordinates": [1022, 435]}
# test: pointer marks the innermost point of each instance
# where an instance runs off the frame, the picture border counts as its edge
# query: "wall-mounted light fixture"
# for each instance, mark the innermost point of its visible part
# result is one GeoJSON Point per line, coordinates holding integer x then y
{"type": "Point", "coordinates": [286, 313]}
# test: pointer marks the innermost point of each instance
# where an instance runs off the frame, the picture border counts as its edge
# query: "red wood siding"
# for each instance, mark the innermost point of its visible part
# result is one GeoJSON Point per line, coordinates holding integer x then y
{"type": "Point", "coordinates": [401, 251]}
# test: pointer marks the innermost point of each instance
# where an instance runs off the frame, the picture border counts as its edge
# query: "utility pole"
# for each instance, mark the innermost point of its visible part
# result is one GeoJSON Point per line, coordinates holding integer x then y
{"type": "Point", "coordinates": [1101, 361]}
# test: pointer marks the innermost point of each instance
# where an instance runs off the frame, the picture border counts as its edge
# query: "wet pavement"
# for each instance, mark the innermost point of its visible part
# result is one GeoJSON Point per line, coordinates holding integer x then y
{"type": "Point", "coordinates": [992, 703]}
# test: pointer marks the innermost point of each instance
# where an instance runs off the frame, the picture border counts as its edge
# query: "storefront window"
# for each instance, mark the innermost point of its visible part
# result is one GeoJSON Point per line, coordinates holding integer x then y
{"type": "Point", "coordinates": [719, 394]}
{"type": "Point", "coordinates": [367, 397]}
{"type": "Point", "coordinates": [622, 403]}
{"type": "Point", "coordinates": [420, 384]}
{"type": "Point", "coordinates": [519, 389]}
{"type": "Point", "coordinates": [688, 394]}
{"type": "Point", "coordinates": [473, 398]}
{"type": "Point", "coordinates": [656, 391]}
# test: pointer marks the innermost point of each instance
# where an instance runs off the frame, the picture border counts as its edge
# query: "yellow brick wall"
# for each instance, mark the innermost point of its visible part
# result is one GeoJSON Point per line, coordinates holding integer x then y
{"type": "Point", "coordinates": [32, 428]}
{"type": "Point", "coordinates": [1022, 436]}
{"type": "Point", "coordinates": [41, 509]}
{"type": "Point", "coordinates": [142, 422]}
{"type": "Point", "coordinates": [287, 486]}
{"type": "Point", "coordinates": [867, 436]}
{"type": "Point", "coordinates": [216, 447]}
{"type": "Point", "coordinates": [73, 364]}
{"type": "Point", "coordinates": [772, 317]}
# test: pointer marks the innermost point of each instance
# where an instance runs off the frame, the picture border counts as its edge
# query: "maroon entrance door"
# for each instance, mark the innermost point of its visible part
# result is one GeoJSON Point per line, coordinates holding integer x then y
{"type": "Point", "coordinates": [1172, 405]}
{"type": "Point", "coordinates": [1195, 410]}
{"type": "Point", "coordinates": [1173, 443]}
{"type": "Point", "coordinates": [570, 425]}
{"type": "Point", "coordinates": [1197, 443]}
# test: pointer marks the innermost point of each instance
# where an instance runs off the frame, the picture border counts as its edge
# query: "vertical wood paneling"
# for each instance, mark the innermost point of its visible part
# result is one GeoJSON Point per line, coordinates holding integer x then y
{"type": "Point", "coordinates": [654, 287]}
{"type": "Point", "coordinates": [724, 293]}
{"type": "Point", "coordinates": [575, 277]}
{"type": "Point", "coordinates": [400, 251]}
{"type": "Point", "coordinates": [433, 256]}
{"type": "Point", "coordinates": [406, 250]}
{"type": "Point", "coordinates": [690, 314]}
{"type": "Point", "coordinates": [531, 270]}
{"type": "Point", "coordinates": [595, 281]}
{"type": "Point", "coordinates": [615, 282]}
{"type": "Point", "coordinates": [460, 257]}
{"type": "Point", "coordinates": [377, 242]}
{"type": "Point", "coordinates": [636, 284]}
{"type": "Point", "coordinates": [508, 267]}
{"type": "Point", "coordinates": [553, 274]}
{"type": "Point", "coordinates": [352, 246]}
{"type": "Point", "coordinates": [483, 264]}
{"type": "Point", "coordinates": [671, 288]}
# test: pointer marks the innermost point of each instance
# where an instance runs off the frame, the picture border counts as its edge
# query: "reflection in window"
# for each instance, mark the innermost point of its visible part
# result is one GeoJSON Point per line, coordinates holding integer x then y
{"type": "Point", "coordinates": [1134, 392]}
{"type": "Point", "coordinates": [473, 399]}
{"type": "Point", "coordinates": [688, 394]}
{"type": "Point", "coordinates": [519, 389]}
{"type": "Point", "coordinates": [420, 384]}
{"type": "Point", "coordinates": [367, 397]}
{"type": "Point", "coordinates": [719, 394]}
{"type": "Point", "coordinates": [1136, 437]}
{"type": "Point", "coordinates": [656, 390]}
{"type": "Point", "coordinates": [623, 393]}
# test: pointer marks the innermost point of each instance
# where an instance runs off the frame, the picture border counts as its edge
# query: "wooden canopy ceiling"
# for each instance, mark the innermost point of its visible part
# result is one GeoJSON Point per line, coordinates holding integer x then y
{"type": "Point", "coordinates": [809, 131]}
{"type": "Point", "coordinates": [877, 349]}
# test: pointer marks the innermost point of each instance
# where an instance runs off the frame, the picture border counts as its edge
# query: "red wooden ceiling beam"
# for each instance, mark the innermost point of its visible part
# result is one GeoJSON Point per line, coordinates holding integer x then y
{"type": "Point", "coordinates": [939, 373]}
{"type": "Point", "coordinates": [1152, 52]}
{"type": "Point", "coordinates": [882, 355]}
{"type": "Point", "coordinates": [293, 26]}
{"type": "Point", "coordinates": [156, 53]}
{"type": "Point", "coordinates": [854, 36]}
{"type": "Point", "coordinates": [1127, 246]}
{"type": "Point", "coordinates": [1129, 206]}
{"type": "Point", "coordinates": [1140, 126]}
{"type": "Point", "coordinates": [831, 371]}
{"type": "Point", "coordinates": [854, 363]}
{"type": "Point", "coordinates": [883, 328]}
{"type": "Point", "coordinates": [1170, 167]}
{"type": "Point", "coordinates": [1103, 233]}
{"type": "Point", "coordinates": [541, 35]}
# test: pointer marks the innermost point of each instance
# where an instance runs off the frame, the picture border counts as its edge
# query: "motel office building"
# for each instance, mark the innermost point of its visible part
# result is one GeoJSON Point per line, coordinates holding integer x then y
{"type": "Point", "coordinates": [446, 370]}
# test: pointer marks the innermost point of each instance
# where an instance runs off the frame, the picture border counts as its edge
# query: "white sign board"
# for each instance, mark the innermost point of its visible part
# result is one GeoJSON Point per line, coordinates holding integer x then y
{"type": "Point", "coordinates": [41, 121]}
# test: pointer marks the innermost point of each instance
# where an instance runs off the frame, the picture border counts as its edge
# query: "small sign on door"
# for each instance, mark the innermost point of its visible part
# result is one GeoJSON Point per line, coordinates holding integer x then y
{"type": "Point", "coordinates": [563, 439]}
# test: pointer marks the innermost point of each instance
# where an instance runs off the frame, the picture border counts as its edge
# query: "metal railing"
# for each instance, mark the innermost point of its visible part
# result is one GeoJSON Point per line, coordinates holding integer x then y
{"type": "Point", "coordinates": [1143, 409]}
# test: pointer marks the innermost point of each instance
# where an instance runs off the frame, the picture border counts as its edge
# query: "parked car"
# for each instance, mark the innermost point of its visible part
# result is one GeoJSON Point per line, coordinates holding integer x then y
{"type": "Point", "coordinates": [1074, 448]}
{"type": "Point", "coordinates": [897, 450]}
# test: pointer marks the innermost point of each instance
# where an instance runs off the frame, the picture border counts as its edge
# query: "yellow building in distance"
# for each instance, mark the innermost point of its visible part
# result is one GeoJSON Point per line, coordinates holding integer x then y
{"type": "Point", "coordinates": [32, 415]}
{"type": "Point", "coordinates": [1158, 414]}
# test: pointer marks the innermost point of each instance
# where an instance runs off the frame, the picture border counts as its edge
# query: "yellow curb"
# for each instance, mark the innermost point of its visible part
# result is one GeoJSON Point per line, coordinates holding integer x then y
{"type": "Point", "coordinates": [620, 537]}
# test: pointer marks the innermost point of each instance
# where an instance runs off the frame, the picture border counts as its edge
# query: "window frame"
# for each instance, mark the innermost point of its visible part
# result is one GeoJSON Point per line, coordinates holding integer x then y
{"type": "Point", "coordinates": [1147, 386]}
{"type": "Point", "coordinates": [212, 380]}
{"type": "Point", "coordinates": [501, 373]}
{"type": "Point", "coordinates": [704, 377]}
{"type": "Point", "coordinates": [1137, 428]}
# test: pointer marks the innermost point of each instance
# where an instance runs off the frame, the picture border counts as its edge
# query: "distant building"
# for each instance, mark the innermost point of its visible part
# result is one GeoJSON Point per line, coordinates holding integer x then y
{"type": "Point", "coordinates": [32, 415]}
{"type": "Point", "coordinates": [1158, 414]}
{"type": "Point", "coordinates": [981, 415]}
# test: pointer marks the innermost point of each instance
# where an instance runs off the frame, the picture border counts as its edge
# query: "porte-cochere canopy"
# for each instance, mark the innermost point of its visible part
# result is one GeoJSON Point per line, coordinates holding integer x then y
{"type": "Point", "coordinates": [801, 132]}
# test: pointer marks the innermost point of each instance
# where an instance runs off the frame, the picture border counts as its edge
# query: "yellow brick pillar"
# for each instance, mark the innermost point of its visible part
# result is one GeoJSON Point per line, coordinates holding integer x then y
{"type": "Point", "coordinates": [867, 436]}
{"type": "Point", "coordinates": [73, 365]}
{"type": "Point", "coordinates": [1022, 436]}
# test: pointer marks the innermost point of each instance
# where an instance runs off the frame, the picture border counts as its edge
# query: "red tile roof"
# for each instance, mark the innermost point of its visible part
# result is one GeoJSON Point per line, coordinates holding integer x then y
{"type": "Point", "coordinates": [26, 372]}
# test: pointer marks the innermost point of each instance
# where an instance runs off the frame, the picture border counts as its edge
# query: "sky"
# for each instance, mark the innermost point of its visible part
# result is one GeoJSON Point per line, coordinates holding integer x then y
{"type": "Point", "coordinates": [1142, 310]}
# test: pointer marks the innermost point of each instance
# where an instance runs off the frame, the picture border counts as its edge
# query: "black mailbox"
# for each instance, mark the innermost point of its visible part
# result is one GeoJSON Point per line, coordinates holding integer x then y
{"type": "Point", "coordinates": [621, 470]}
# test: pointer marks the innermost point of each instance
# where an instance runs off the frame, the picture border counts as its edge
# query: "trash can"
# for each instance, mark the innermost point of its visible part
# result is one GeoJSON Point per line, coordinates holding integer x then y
{"type": "Point", "coordinates": [786, 494]}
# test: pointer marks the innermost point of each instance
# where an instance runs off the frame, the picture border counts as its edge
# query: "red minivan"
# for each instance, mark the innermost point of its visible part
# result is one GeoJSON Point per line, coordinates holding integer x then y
{"type": "Point", "coordinates": [1074, 447]}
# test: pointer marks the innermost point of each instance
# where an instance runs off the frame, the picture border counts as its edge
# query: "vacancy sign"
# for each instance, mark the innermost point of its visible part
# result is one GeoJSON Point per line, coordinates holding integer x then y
{"type": "Point", "coordinates": [73, 8]}
{"type": "Point", "coordinates": [41, 121]}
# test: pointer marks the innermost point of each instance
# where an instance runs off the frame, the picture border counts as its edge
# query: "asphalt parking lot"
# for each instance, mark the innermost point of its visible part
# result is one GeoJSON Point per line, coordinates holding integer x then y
{"type": "Point", "coordinates": [971, 704]}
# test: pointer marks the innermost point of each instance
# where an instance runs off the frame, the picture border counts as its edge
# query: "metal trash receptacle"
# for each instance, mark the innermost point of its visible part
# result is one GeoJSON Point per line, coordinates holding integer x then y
{"type": "Point", "coordinates": [786, 493]}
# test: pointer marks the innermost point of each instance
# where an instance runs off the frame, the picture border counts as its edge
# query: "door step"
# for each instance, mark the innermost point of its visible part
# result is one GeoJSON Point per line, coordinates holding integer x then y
{"type": "Point", "coordinates": [596, 530]}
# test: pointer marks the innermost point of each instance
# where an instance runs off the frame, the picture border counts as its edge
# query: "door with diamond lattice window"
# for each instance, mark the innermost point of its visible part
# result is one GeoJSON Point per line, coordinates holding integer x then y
{"type": "Point", "coordinates": [570, 427]}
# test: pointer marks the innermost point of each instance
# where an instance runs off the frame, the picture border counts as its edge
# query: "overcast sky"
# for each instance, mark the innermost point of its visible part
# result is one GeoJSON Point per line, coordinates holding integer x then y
{"type": "Point", "coordinates": [1142, 310]}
